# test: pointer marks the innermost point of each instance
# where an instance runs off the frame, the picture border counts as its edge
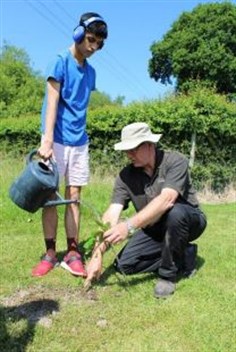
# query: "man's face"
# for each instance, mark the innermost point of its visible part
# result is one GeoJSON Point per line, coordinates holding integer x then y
{"type": "Point", "coordinates": [139, 156]}
{"type": "Point", "coordinates": [90, 44]}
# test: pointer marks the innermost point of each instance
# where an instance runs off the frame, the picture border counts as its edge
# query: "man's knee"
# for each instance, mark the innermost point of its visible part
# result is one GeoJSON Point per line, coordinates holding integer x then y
{"type": "Point", "coordinates": [175, 217]}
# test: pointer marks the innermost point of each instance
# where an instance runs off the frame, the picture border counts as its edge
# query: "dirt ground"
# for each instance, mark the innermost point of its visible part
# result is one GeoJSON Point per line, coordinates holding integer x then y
{"type": "Point", "coordinates": [39, 304]}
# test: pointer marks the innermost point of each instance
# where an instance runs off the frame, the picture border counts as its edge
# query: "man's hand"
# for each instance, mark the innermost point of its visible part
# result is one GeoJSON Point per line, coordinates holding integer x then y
{"type": "Point", "coordinates": [94, 268]}
{"type": "Point", "coordinates": [117, 233]}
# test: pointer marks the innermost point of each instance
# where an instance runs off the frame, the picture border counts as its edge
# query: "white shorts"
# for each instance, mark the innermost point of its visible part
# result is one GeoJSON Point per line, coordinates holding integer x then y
{"type": "Point", "coordinates": [72, 163]}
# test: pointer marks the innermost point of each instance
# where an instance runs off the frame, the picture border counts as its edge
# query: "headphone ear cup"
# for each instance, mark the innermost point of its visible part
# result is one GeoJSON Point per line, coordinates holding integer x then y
{"type": "Point", "coordinates": [78, 34]}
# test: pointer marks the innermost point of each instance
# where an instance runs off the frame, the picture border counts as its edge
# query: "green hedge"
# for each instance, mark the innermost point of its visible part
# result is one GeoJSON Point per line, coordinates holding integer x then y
{"type": "Point", "coordinates": [211, 116]}
{"type": "Point", "coordinates": [19, 135]}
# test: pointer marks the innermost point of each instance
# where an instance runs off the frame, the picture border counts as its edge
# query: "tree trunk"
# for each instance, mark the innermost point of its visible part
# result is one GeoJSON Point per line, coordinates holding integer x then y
{"type": "Point", "coordinates": [193, 148]}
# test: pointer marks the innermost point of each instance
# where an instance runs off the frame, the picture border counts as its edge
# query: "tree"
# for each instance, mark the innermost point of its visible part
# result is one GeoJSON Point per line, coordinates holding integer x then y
{"type": "Point", "coordinates": [21, 88]}
{"type": "Point", "coordinates": [100, 99]}
{"type": "Point", "coordinates": [199, 48]}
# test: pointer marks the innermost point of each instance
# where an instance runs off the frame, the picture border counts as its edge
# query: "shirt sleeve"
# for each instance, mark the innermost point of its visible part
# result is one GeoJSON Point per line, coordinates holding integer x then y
{"type": "Point", "coordinates": [55, 70]}
{"type": "Point", "coordinates": [177, 176]}
{"type": "Point", "coordinates": [120, 193]}
{"type": "Point", "coordinates": [94, 88]}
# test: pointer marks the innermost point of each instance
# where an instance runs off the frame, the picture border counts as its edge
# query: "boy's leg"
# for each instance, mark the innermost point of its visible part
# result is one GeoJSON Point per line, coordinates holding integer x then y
{"type": "Point", "coordinates": [73, 260]}
{"type": "Point", "coordinates": [77, 175]}
{"type": "Point", "coordinates": [72, 214]}
{"type": "Point", "coordinates": [50, 219]}
{"type": "Point", "coordinates": [49, 260]}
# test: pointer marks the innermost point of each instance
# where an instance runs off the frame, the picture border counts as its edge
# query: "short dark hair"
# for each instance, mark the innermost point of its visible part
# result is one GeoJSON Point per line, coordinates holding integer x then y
{"type": "Point", "coordinates": [98, 28]}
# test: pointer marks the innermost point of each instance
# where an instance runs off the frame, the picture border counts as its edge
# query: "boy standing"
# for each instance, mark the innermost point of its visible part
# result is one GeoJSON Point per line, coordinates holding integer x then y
{"type": "Point", "coordinates": [70, 80]}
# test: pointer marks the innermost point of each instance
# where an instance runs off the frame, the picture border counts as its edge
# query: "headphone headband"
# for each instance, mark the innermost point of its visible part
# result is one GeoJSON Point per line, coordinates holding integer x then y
{"type": "Point", "coordinates": [91, 20]}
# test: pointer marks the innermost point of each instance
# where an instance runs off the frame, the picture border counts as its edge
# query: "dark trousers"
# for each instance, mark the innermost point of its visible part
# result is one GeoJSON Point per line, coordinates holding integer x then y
{"type": "Point", "coordinates": [162, 252]}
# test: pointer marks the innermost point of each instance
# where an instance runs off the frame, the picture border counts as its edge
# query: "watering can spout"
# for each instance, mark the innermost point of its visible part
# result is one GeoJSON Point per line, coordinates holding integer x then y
{"type": "Point", "coordinates": [37, 185]}
{"type": "Point", "coordinates": [60, 201]}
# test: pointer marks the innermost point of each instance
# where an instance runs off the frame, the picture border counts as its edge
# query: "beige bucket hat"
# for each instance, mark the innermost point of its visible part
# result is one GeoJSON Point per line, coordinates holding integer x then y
{"type": "Point", "coordinates": [134, 134]}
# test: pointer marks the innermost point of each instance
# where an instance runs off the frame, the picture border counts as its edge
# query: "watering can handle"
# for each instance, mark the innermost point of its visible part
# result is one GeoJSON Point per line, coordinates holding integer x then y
{"type": "Point", "coordinates": [30, 156]}
{"type": "Point", "coordinates": [34, 152]}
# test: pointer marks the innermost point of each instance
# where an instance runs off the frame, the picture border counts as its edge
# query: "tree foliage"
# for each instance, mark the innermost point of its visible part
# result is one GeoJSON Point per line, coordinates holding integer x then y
{"type": "Point", "coordinates": [100, 99]}
{"type": "Point", "coordinates": [199, 47]}
{"type": "Point", "coordinates": [21, 88]}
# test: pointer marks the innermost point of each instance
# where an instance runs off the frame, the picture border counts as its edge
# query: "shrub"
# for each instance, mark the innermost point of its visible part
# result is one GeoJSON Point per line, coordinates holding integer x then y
{"type": "Point", "coordinates": [210, 116]}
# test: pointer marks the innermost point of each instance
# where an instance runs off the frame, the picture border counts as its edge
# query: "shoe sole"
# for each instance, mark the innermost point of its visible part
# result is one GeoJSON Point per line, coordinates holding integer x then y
{"type": "Point", "coordinates": [66, 267]}
{"type": "Point", "coordinates": [162, 297]}
{"type": "Point", "coordinates": [41, 275]}
{"type": "Point", "coordinates": [156, 295]}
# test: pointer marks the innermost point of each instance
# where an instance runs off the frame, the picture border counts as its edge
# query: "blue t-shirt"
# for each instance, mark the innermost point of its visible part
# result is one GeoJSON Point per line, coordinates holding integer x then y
{"type": "Point", "coordinates": [77, 82]}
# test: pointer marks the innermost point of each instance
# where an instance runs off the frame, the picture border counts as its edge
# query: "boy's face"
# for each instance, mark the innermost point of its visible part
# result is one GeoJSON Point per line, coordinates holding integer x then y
{"type": "Point", "coordinates": [90, 44]}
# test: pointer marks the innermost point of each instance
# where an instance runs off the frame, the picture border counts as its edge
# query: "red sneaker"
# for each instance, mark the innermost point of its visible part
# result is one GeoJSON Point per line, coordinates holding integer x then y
{"type": "Point", "coordinates": [73, 263]}
{"type": "Point", "coordinates": [47, 264]}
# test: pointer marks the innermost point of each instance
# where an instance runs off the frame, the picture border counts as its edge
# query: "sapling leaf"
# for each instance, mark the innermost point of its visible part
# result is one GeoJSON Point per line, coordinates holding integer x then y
{"type": "Point", "coordinates": [99, 222]}
{"type": "Point", "coordinates": [103, 226]}
{"type": "Point", "coordinates": [89, 243]}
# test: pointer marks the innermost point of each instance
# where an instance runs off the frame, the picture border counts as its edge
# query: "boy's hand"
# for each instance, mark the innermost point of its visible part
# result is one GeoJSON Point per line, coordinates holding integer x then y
{"type": "Point", "coordinates": [45, 151]}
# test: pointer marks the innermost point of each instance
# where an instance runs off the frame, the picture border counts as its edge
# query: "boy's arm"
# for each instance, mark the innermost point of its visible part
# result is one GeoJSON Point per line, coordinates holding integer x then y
{"type": "Point", "coordinates": [53, 93]}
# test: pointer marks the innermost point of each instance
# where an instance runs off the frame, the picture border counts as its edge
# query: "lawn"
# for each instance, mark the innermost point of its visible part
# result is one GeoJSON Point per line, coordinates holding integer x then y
{"type": "Point", "coordinates": [119, 314]}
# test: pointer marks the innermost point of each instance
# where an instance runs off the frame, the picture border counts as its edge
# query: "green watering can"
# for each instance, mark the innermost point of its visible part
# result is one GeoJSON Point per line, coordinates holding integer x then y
{"type": "Point", "coordinates": [36, 185]}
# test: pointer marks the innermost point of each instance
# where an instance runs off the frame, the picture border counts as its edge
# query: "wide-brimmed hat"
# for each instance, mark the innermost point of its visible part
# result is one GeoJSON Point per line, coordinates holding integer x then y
{"type": "Point", "coordinates": [134, 134]}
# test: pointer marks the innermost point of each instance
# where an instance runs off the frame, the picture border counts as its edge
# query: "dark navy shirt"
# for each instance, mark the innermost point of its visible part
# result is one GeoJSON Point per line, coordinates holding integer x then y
{"type": "Point", "coordinates": [171, 171]}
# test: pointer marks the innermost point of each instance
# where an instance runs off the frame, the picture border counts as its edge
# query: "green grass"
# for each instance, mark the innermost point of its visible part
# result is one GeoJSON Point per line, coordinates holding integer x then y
{"type": "Point", "coordinates": [53, 313]}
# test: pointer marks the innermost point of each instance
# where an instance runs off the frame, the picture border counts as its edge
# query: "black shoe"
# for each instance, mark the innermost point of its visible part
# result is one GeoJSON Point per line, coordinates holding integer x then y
{"type": "Point", "coordinates": [164, 288]}
{"type": "Point", "coordinates": [190, 258]}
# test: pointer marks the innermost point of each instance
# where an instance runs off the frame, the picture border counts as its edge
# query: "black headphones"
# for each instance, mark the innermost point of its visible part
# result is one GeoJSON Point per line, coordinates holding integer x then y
{"type": "Point", "coordinates": [79, 31]}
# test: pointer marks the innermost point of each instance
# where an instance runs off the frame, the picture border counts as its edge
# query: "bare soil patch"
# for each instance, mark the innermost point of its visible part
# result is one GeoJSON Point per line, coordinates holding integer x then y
{"type": "Point", "coordinates": [39, 304]}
